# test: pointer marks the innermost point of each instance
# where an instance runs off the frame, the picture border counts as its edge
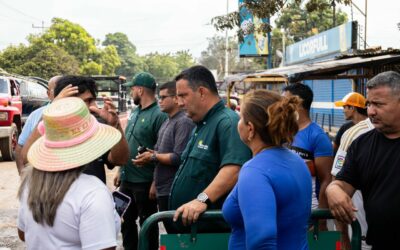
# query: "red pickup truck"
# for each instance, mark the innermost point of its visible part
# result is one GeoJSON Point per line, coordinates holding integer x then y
{"type": "Point", "coordinates": [10, 116]}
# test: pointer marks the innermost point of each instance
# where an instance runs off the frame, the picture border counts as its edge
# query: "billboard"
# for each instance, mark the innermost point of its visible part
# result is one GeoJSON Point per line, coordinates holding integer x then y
{"type": "Point", "coordinates": [255, 43]}
{"type": "Point", "coordinates": [337, 40]}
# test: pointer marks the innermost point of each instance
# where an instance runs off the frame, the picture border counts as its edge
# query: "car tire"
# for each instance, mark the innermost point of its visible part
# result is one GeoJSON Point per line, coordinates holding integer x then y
{"type": "Point", "coordinates": [8, 144]}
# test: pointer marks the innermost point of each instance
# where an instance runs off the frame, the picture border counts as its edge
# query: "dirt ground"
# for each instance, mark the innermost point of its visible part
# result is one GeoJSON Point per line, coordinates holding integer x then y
{"type": "Point", "coordinates": [9, 183]}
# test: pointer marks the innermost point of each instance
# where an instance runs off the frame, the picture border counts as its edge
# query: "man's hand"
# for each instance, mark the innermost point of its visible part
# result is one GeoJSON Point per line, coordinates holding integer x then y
{"type": "Point", "coordinates": [143, 159]}
{"type": "Point", "coordinates": [340, 204]}
{"type": "Point", "coordinates": [108, 113]}
{"type": "Point", "coordinates": [190, 211]}
{"type": "Point", "coordinates": [153, 191]}
{"type": "Point", "coordinates": [68, 91]}
{"type": "Point", "coordinates": [117, 179]}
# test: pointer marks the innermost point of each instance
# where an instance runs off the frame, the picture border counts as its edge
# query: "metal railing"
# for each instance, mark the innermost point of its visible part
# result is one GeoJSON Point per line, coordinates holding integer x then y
{"type": "Point", "coordinates": [316, 215]}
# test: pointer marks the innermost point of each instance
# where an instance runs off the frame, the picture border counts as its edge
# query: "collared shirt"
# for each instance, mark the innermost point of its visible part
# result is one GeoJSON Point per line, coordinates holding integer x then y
{"type": "Point", "coordinates": [214, 143]}
{"type": "Point", "coordinates": [142, 129]}
{"type": "Point", "coordinates": [172, 138]}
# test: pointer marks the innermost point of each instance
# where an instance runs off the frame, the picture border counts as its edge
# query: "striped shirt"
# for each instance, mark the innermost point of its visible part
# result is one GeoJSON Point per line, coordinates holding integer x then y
{"type": "Point", "coordinates": [348, 137]}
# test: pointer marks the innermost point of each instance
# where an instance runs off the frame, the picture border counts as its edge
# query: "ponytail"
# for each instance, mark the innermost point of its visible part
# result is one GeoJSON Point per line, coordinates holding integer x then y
{"type": "Point", "coordinates": [282, 123]}
{"type": "Point", "coordinates": [274, 117]}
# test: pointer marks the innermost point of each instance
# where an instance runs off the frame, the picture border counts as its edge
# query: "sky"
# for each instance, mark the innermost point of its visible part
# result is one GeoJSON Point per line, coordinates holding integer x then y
{"type": "Point", "coordinates": [161, 25]}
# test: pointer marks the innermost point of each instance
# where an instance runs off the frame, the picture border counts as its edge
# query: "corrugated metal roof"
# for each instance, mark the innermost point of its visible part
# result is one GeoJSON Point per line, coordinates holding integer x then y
{"type": "Point", "coordinates": [298, 72]}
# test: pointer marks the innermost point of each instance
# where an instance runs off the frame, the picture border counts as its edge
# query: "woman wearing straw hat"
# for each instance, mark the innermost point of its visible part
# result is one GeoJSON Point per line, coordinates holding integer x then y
{"type": "Point", "coordinates": [62, 208]}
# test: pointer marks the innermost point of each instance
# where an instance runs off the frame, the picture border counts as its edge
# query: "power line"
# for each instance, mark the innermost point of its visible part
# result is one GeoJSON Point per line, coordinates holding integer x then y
{"type": "Point", "coordinates": [17, 10]}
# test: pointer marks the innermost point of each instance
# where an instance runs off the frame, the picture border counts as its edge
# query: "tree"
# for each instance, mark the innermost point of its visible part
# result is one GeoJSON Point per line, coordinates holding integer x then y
{"type": "Point", "coordinates": [184, 59]}
{"type": "Point", "coordinates": [162, 66]}
{"type": "Point", "coordinates": [131, 63]}
{"type": "Point", "coordinates": [109, 60]}
{"type": "Point", "coordinates": [298, 23]}
{"type": "Point", "coordinates": [266, 9]}
{"type": "Point", "coordinates": [91, 68]}
{"type": "Point", "coordinates": [72, 38]}
{"type": "Point", "coordinates": [38, 60]}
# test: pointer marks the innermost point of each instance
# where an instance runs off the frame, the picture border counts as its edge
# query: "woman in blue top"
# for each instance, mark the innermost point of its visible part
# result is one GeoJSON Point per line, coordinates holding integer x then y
{"type": "Point", "coordinates": [270, 205]}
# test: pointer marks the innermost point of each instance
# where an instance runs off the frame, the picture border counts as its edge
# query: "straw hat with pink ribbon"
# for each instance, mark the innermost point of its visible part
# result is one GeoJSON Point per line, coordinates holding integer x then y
{"type": "Point", "coordinates": [72, 137]}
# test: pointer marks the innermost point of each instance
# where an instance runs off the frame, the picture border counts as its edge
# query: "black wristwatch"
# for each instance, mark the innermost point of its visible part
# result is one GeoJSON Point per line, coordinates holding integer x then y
{"type": "Point", "coordinates": [153, 158]}
{"type": "Point", "coordinates": [203, 198]}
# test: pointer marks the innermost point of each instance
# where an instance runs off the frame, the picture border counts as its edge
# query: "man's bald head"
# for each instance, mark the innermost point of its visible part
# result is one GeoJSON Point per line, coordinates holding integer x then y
{"type": "Point", "coordinates": [51, 86]}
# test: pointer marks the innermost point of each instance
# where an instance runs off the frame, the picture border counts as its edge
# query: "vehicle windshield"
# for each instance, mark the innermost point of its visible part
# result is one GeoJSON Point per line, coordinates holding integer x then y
{"type": "Point", "coordinates": [3, 86]}
{"type": "Point", "coordinates": [107, 85]}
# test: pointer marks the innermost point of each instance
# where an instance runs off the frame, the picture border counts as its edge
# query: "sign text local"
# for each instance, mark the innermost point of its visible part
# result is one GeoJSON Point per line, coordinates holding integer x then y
{"type": "Point", "coordinates": [324, 45]}
{"type": "Point", "coordinates": [315, 45]}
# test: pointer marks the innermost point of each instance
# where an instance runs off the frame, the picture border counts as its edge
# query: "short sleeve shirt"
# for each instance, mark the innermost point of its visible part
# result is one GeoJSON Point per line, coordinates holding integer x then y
{"type": "Point", "coordinates": [30, 124]}
{"type": "Point", "coordinates": [85, 219]}
{"type": "Point", "coordinates": [214, 143]}
{"type": "Point", "coordinates": [372, 166]}
{"type": "Point", "coordinates": [142, 129]}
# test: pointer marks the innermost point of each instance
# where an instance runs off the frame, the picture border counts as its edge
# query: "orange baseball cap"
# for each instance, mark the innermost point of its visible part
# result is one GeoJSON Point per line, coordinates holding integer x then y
{"type": "Point", "coordinates": [352, 99]}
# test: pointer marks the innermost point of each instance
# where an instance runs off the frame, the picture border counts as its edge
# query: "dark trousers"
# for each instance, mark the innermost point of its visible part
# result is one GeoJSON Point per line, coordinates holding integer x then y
{"type": "Point", "coordinates": [162, 202]}
{"type": "Point", "coordinates": [141, 207]}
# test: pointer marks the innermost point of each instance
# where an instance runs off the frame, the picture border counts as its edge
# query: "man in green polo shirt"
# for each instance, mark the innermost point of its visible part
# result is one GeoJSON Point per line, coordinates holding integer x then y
{"type": "Point", "coordinates": [212, 159]}
{"type": "Point", "coordinates": [141, 132]}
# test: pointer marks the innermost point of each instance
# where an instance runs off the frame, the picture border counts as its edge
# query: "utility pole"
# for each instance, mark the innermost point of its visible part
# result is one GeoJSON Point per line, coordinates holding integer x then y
{"type": "Point", "coordinates": [365, 20]}
{"type": "Point", "coordinates": [226, 43]}
{"type": "Point", "coordinates": [334, 13]}
{"type": "Point", "coordinates": [39, 27]}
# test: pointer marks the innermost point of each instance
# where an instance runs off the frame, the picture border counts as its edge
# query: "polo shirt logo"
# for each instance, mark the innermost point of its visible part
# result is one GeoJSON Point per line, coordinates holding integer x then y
{"type": "Point", "coordinates": [143, 120]}
{"type": "Point", "coordinates": [202, 146]}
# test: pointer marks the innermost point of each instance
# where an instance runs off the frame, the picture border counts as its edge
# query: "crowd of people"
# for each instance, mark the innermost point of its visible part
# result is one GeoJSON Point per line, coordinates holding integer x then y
{"type": "Point", "coordinates": [184, 150]}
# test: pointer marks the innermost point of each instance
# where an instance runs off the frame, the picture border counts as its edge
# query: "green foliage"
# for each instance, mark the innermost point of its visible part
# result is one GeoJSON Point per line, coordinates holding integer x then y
{"type": "Point", "coordinates": [72, 38]}
{"type": "Point", "coordinates": [162, 66]}
{"type": "Point", "coordinates": [67, 48]}
{"type": "Point", "coordinates": [299, 22]}
{"type": "Point", "coordinates": [131, 63]}
{"type": "Point", "coordinates": [38, 60]}
{"type": "Point", "coordinates": [109, 60]}
{"type": "Point", "coordinates": [91, 68]}
{"type": "Point", "coordinates": [266, 9]}
{"type": "Point", "coordinates": [184, 59]}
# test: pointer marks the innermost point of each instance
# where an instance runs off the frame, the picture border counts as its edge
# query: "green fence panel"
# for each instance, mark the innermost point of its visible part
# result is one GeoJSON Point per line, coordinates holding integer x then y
{"type": "Point", "coordinates": [214, 241]}
{"type": "Point", "coordinates": [317, 240]}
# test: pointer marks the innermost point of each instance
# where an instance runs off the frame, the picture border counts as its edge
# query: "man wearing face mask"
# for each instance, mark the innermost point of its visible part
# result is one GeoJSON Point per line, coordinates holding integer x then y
{"type": "Point", "coordinates": [135, 180]}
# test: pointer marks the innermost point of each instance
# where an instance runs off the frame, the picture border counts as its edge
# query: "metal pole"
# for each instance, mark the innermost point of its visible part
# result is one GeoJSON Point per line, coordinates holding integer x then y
{"type": "Point", "coordinates": [226, 43]}
{"type": "Point", "coordinates": [283, 47]}
{"type": "Point", "coordinates": [334, 12]}
{"type": "Point", "coordinates": [365, 25]}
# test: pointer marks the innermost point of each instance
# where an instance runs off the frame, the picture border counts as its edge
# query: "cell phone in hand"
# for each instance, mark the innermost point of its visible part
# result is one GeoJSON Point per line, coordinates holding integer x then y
{"type": "Point", "coordinates": [122, 202]}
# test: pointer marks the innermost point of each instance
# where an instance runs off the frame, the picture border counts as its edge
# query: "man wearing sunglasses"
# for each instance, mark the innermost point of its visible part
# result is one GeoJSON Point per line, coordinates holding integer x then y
{"type": "Point", "coordinates": [172, 139]}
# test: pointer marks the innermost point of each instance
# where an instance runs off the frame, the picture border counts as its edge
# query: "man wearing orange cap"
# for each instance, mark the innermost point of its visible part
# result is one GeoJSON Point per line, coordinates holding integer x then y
{"type": "Point", "coordinates": [354, 111]}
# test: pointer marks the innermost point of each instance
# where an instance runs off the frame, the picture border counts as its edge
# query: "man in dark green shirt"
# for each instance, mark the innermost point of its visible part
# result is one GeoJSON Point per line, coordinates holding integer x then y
{"type": "Point", "coordinates": [141, 131]}
{"type": "Point", "coordinates": [213, 157]}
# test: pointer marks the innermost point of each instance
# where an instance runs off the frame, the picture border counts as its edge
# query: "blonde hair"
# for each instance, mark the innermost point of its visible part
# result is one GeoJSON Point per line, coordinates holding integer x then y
{"type": "Point", "coordinates": [274, 117]}
{"type": "Point", "coordinates": [46, 191]}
